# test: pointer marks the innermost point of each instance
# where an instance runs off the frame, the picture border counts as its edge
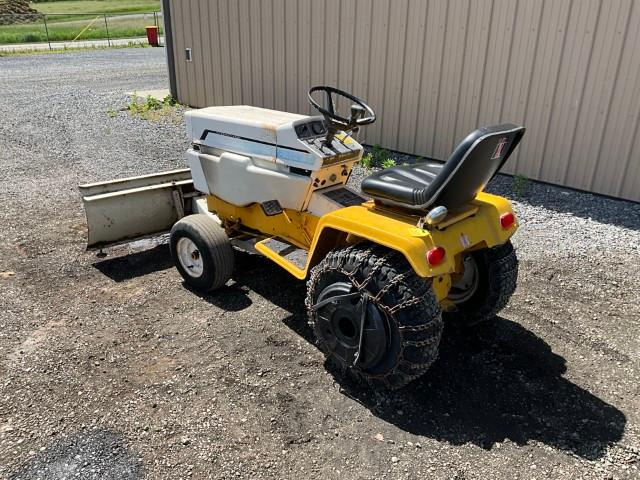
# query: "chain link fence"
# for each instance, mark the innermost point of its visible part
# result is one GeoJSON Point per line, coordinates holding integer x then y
{"type": "Point", "coordinates": [68, 28]}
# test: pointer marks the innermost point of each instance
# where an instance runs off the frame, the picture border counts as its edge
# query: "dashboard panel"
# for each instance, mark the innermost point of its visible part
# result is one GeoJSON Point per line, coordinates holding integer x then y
{"type": "Point", "coordinates": [310, 129]}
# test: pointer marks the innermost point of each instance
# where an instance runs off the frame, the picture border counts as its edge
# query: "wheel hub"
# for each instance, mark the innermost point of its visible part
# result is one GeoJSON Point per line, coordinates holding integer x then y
{"type": "Point", "coordinates": [189, 257]}
{"type": "Point", "coordinates": [341, 328]}
{"type": "Point", "coordinates": [464, 288]}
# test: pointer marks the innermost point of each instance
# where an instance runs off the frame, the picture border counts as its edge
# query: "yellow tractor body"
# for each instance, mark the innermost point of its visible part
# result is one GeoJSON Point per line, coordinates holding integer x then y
{"type": "Point", "coordinates": [475, 226]}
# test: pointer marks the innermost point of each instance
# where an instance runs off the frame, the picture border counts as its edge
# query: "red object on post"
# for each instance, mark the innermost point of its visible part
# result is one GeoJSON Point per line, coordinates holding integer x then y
{"type": "Point", "coordinates": [152, 35]}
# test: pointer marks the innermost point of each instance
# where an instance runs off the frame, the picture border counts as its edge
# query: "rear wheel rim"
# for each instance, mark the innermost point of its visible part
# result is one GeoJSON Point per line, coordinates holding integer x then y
{"type": "Point", "coordinates": [189, 257]}
{"type": "Point", "coordinates": [466, 286]}
{"type": "Point", "coordinates": [338, 327]}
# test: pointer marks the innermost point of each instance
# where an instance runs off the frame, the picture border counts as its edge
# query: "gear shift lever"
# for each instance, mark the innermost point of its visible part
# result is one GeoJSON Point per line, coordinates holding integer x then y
{"type": "Point", "coordinates": [356, 112]}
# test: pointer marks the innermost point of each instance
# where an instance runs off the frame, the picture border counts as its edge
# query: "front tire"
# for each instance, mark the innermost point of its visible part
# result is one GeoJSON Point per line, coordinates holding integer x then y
{"type": "Point", "coordinates": [201, 252]}
{"type": "Point", "coordinates": [372, 316]}
{"type": "Point", "coordinates": [488, 281]}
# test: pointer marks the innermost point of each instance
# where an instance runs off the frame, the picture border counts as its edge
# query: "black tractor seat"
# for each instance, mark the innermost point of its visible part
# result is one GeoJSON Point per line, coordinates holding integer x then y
{"type": "Point", "coordinates": [457, 181]}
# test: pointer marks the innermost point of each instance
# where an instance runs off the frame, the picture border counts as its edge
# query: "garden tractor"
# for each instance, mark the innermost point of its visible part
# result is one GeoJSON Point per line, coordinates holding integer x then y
{"type": "Point", "coordinates": [383, 264]}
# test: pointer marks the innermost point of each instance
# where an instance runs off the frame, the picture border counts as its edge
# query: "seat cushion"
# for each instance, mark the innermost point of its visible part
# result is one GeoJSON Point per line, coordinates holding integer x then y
{"type": "Point", "coordinates": [456, 182]}
{"type": "Point", "coordinates": [402, 184]}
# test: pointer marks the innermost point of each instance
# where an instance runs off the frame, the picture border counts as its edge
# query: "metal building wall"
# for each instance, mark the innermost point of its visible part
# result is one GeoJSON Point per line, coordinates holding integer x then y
{"type": "Point", "coordinates": [569, 70]}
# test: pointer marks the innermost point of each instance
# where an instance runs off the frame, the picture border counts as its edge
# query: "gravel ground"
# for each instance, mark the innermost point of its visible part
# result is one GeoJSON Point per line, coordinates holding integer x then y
{"type": "Point", "coordinates": [112, 369]}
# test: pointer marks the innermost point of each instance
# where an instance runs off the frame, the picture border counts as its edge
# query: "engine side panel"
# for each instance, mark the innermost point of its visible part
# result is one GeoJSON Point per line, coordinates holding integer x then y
{"type": "Point", "coordinates": [239, 180]}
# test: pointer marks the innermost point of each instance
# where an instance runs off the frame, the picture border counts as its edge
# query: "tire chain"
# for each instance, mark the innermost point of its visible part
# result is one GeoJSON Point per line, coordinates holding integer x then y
{"type": "Point", "coordinates": [361, 257]}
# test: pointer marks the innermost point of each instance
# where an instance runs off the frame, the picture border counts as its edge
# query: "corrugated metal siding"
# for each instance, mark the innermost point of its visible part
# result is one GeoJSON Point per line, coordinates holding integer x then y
{"type": "Point", "coordinates": [569, 70]}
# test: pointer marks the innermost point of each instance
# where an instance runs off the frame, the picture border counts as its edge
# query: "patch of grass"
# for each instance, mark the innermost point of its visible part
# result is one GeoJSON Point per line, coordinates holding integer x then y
{"type": "Point", "coordinates": [31, 37]}
{"type": "Point", "coordinates": [366, 160]}
{"type": "Point", "coordinates": [94, 6]}
{"type": "Point", "coordinates": [521, 184]}
{"type": "Point", "coordinates": [388, 163]}
{"type": "Point", "coordinates": [111, 113]}
{"type": "Point", "coordinates": [150, 103]}
{"type": "Point", "coordinates": [379, 155]}
{"type": "Point", "coordinates": [153, 109]}
{"type": "Point", "coordinates": [62, 31]}
{"type": "Point", "coordinates": [28, 51]}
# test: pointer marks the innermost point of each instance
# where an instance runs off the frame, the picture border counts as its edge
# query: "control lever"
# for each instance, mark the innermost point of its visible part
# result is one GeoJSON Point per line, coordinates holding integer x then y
{"type": "Point", "coordinates": [356, 112]}
{"type": "Point", "coordinates": [331, 132]}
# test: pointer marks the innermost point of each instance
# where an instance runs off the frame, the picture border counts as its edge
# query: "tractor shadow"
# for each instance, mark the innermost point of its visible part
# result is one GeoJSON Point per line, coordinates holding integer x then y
{"type": "Point", "coordinates": [497, 382]}
{"type": "Point", "coordinates": [231, 298]}
{"type": "Point", "coordinates": [136, 264]}
{"type": "Point", "coordinates": [255, 273]}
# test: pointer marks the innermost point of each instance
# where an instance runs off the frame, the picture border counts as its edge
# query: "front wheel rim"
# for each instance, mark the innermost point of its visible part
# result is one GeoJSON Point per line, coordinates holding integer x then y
{"type": "Point", "coordinates": [189, 257]}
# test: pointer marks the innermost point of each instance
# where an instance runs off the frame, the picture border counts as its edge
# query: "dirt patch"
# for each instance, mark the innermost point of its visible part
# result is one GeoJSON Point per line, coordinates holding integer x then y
{"type": "Point", "coordinates": [35, 339]}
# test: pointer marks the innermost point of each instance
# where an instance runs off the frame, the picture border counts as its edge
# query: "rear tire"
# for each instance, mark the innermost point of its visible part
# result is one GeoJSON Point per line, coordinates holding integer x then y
{"type": "Point", "coordinates": [201, 252]}
{"type": "Point", "coordinates": [495, 281]}
{"type": "Point", "coordinates": [403, 320]}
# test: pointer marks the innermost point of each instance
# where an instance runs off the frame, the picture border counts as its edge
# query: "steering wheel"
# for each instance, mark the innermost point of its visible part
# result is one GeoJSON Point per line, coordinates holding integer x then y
{"type": "Point", "coordinates": [335, 121]}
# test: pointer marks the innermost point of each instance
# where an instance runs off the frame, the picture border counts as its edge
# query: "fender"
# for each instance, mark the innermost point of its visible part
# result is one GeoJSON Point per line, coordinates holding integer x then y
{"type": "Point", "coordinates": [477, 226]}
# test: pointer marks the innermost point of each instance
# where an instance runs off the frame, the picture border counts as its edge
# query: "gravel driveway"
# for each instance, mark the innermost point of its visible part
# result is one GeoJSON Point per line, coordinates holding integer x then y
{"type": "Point", "coordinates": [111, 368]}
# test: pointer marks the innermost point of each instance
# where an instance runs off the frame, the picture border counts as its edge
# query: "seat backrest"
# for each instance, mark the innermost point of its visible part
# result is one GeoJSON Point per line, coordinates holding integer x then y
{"type": "Point", "coordinates": [474, 162]}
